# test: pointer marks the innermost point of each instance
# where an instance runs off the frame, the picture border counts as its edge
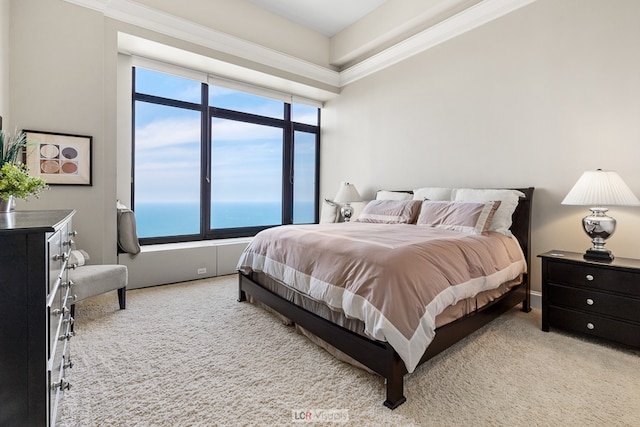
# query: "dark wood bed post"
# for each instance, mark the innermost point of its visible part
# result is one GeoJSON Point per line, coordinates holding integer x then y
{"type": "Point", "coordinates": [380, 357]}
{"type": "Point", "coordinates": [522, 230]}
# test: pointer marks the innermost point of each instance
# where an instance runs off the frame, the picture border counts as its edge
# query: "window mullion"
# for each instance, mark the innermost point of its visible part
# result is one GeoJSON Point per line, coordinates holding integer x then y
{"type": "Point", "coordinates": [205, 164]}
{"type": "Point", "coordinates": [287, 168]}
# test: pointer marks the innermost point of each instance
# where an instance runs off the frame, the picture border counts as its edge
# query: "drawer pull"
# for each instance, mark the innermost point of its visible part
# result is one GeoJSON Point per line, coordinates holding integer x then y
{"type": "Point", "coordinates": [73, 233]}
{"type": "Point", "coordinates": [590, 326]}
{"type": "Point", "coordinates": [589, 301]}
{"type": "Point", "coordinates": [62, 385]}
{"type": "Point", "coordinates": [66, 336]}
{"type": "Point", "coordinates": [68, 365]}
{"type": "Point", "coordinates": [60, 311]}
{"type": "Point", "coordinates": [67, 284]}
{"type": "Point", "coordinates": [69, 242]}
{"type": "Point", "coordinates": [63, 257]}
{"type": "Point", "coordinates": [589, 277]}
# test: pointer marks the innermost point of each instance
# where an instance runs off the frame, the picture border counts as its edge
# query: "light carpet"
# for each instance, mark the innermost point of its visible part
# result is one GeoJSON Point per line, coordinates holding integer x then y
{"type": "Point", "coordinates": [189, 354]}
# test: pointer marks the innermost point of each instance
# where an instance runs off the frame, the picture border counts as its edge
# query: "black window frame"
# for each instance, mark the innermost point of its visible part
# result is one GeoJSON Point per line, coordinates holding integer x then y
{"type": "Point", "coordinates": [207, 114]}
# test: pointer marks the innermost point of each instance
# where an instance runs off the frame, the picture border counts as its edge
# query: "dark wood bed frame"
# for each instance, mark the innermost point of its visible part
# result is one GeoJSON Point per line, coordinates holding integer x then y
{"type": "Point", "coordinates": [379, 356]}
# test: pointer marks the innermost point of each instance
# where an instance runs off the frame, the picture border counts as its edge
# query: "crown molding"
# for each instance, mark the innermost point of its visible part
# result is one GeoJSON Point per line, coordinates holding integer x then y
{"type": "Point", "coordinates": [152, 19]}
{"type": "Point", "coordinates": [465, 21]}
{"type": "Point", "coordinates": [136, 14]}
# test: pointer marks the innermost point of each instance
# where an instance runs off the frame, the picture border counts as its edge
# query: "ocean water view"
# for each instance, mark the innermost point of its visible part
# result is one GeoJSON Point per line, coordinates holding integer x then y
{"type": "Point", "coordinates": [174, 219]}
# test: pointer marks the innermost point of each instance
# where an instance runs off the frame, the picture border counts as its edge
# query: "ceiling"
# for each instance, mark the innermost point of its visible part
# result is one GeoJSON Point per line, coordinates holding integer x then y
{"type": "Point", "coordinates": [327, 17]}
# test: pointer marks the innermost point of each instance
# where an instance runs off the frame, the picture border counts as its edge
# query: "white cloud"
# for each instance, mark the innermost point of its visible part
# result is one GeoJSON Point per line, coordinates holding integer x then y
{"type": "Point", "coordinates": [169, 131]}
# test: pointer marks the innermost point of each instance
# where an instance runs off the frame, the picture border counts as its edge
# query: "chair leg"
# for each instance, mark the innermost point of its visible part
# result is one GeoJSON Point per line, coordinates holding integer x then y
{"type": "Point", "coordinates": [122, 298]}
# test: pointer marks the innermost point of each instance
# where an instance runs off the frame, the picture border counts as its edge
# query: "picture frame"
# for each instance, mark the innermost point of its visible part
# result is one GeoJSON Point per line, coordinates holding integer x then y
{"type": "Point", "coordinates": [59, 158]}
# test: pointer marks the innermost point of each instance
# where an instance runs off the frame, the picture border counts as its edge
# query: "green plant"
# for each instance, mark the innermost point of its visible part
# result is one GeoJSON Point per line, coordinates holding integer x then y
{"type": "Point", "coordinates": [11, 147]}
{"type": "Point", "coordinates": [14, 176]}
{"type": "Point", "coordinates": [15, 181]}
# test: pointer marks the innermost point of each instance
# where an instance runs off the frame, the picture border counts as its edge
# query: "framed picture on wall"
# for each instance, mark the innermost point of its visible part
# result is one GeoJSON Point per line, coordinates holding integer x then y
{"type": "Point", "coordinates": [59, 158]}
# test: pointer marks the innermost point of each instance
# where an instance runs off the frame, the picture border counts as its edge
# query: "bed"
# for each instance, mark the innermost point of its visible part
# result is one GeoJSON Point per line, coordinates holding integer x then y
{"type": "Point", "coordinates": [390, 321]}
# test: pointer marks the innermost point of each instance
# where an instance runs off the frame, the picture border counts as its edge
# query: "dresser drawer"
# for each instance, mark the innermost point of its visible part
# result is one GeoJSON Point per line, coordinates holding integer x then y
{"type": "Point", "coordinates": [597, 326]}
{"type": "Point", "coordinates": [600, 277]}
{"type": "Point", "coordinates": [59, 373]}
{"type": "Point", "coordinates": [591, 301]}
{"type": "Point", "coordinates": [55, 259]}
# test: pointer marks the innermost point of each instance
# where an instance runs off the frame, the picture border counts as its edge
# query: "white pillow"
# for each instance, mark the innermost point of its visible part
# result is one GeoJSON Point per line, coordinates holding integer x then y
{"type": "Point", "coordinates": [393, 195]}
{"type": "Point", "coordinates": [433, 193]}
{"type": "Point", "coordinates": [330, 212]}
{"type": "Point", "coordinates": [78, 257]}
{"type": "Point", "coordinates": [358, 207]}
{"type": "Point", "coordinates": [501, 221]}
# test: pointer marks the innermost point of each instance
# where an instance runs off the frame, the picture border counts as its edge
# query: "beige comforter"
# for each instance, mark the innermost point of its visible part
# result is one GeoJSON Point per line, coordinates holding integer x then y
{"type": "Point", "coordinates": [396, 278]}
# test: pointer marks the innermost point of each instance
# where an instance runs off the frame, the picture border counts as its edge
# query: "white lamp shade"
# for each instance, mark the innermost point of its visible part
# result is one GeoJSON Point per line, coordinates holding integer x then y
{"type": "Point", "coordinates": [601, 188]}
{"type": "Point", "coordinates": [347, 193]}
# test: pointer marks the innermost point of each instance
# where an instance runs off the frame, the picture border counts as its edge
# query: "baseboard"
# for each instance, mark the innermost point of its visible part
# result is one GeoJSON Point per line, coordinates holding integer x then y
{"type": "Point", "coordinates": [536, 300]}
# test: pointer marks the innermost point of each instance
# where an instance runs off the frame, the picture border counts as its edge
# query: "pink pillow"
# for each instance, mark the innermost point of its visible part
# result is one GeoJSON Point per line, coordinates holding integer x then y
{"type": "Point", "coordinates": [390, 211]}
{"type": "Point", "coordinates": [468, 217]}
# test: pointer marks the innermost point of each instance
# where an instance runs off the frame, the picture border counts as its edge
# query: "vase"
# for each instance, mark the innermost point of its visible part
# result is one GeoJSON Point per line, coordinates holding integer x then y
{"type": "Point", "coordinates": [6, 205]}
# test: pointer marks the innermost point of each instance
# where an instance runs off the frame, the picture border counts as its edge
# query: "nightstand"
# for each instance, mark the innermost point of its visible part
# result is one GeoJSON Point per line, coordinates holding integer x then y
{"type": "Point", "coordinates": [591, 298]}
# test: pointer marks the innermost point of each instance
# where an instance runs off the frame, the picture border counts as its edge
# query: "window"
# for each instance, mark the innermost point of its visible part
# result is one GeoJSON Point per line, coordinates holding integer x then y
{"type": "Point", "coordinates": [212, 162]}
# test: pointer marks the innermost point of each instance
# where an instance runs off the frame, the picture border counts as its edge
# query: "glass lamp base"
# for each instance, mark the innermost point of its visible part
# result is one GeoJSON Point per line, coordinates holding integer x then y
{"type": "Point", "coordinates": [347, 212]}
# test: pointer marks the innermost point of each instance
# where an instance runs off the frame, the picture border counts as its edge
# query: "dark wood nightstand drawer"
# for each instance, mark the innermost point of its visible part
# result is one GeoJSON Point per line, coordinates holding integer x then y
{"type": "Point", "coordinates": [595, 276]}
{"type": "Point", "coordinates": [588, 300]}
{"type": "Point", "coordinates": [591, 324]}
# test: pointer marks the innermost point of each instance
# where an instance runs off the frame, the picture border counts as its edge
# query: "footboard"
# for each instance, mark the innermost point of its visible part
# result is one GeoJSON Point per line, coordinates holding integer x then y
{"type": "Point", "coordinates": [378, 356]}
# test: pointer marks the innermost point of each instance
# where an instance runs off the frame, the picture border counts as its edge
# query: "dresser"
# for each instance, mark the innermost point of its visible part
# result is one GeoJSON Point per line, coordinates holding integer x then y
{"type": "Point", "coordinates": [35, 324]}
{"type": "Point", "coordinates": [592, 298]}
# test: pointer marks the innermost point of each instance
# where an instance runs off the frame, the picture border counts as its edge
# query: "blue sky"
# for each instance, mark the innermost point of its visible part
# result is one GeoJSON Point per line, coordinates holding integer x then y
{"type": "Point", "coordinates": [246, 158]}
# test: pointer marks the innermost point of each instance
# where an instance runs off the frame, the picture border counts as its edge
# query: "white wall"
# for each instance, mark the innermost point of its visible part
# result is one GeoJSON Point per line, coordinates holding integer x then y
{"type": "Point", "coordinates": [532, 99]}
{"type": "Point", "coordinates": [57, 73]}
{"type": "Point", "coordinates": [4, 62]}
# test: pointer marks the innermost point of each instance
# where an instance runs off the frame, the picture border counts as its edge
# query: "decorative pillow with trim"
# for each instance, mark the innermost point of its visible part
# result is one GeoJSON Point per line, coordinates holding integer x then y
{"type": "Point", "coordinates": [390, 212]}
{"type": "Point", "coordinates": [467, 217]}
{"type": "Point", "coordinates": [501, 221]}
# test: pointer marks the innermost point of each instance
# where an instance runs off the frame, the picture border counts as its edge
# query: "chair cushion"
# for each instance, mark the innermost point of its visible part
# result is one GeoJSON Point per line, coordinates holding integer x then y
{"type": "Point", "coordinates": [92, 280]}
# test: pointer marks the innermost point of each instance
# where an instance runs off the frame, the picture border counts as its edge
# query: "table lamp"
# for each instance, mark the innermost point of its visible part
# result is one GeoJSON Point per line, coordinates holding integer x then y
{"type": "Point", "coordinates": [598, 189]}
{"type": "Point", "coordinates": [347, 194]}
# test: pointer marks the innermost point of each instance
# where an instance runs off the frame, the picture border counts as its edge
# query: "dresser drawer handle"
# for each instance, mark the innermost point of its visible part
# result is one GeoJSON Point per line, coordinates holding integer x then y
{"type": "Point", "coordinates": [67, 336]}
{"type": "Point", "coordinates": [589, 301]}
{"type": "Point", "coordinates": [62, 385]}
{"type": "Point", "coordinates": [60, 311]}
{"type": "Point", "coordinates": [589, 277]}
{"type": "Point", "coordinates": [590, 326]}
{"type": "Point", "coordinates": [67, 284]}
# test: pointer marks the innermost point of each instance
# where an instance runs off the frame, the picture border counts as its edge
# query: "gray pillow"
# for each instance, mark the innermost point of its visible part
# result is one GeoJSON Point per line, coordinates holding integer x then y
{"type": "Point", "coordinates": [127, 233]}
